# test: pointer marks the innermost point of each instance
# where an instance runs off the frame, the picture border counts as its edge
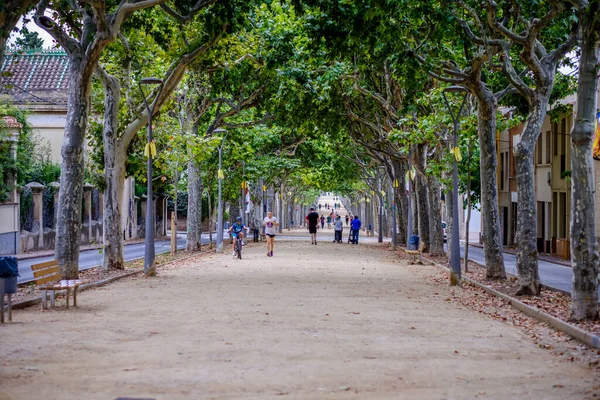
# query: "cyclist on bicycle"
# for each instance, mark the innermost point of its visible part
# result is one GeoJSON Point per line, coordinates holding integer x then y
{"type": "Point", "coordinates": [237, 229]}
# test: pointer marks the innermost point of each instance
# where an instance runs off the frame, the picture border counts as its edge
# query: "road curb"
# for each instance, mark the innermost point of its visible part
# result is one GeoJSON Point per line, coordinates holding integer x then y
{"type": "Point", "coordinates": [550, 288]}
{"type": "Point", "coordinates": [32, 302]}
{"type": "Point", "coordinates": [560, 325]}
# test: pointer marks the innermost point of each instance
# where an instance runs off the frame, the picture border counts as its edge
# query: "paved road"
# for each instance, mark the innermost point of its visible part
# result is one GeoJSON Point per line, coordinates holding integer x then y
{"type": "Point", "coordinates": [93, 258]}
{"type": "Point", "coordinates": [552, 275]}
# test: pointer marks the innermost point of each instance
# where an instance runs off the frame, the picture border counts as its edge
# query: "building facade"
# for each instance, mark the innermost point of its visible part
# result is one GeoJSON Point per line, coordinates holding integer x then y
{"type": "Point", "coordinates": [552, 161]}
{"type": "Point", "coordinates": [38, 82]}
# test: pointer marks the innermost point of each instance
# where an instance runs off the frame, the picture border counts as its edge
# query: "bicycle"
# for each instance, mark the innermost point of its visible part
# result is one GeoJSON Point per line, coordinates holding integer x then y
{"type": "Point", "coordinates": [238, 246]}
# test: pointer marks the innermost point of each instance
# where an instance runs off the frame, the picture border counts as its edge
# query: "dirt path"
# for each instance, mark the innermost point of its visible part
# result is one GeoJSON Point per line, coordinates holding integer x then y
{"type": "Point", "coordinates": [313, 322]}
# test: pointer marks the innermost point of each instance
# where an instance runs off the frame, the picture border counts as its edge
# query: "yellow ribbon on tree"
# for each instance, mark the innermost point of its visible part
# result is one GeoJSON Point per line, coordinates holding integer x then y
{"type": "Point", "coordinates": [410, 174]}
{"type": "Point", "coordinates": [150, 149]}
{"type": "Point", "coordinates": [457, 155]}
{"type": "Point", "coordinates": [220, 174]}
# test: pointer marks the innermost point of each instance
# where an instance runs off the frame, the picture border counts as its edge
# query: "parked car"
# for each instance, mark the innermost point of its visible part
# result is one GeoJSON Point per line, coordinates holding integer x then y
{"type": "Point", "coordinates": [444, 230]}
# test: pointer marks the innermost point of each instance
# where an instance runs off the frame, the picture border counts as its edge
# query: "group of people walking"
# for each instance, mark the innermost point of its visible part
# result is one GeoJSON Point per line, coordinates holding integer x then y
{"type": "Point", "coordinates": [335, 206]}
{"type": "Point", "coordinates": [313, 219]}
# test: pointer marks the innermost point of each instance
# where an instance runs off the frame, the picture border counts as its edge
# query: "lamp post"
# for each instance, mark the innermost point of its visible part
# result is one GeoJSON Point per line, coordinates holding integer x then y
{"type": "Point", "coordinates": [455, 275]}
{"type": "Point", "coordinates": [264, 190]}
{"type": "Point", "coordinates": [220, 176]}
{"type": "Point", "coordinates": [149, 253]}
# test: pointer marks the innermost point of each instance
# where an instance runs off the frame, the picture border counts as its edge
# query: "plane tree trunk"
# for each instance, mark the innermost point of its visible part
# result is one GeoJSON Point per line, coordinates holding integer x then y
{"type": "Point", "coordinates": [114, 175]}
{"type": "Point", "coordinates": [194, 216]}
{"type": "Point", "coordinates": [486, 129]}
{"type": "Point", "coordinates": [68, 221]}
{"type": "Point", "coordinates": [436, 232]}
{"type": "Point", "coordinates": [584, 243]}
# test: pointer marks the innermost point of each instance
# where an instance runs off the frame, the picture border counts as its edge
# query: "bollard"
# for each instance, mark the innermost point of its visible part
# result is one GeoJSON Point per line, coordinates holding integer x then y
{"type": "Point", "coordinates": [173, 234]}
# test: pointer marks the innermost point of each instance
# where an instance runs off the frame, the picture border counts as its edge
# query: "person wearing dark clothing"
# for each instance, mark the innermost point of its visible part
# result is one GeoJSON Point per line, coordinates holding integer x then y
{"type": "Point", "coordinates": [355, 226]}
{"type": "Point", "coordinates": [322, 222]}
{"type": "Point", "coordinates": [346, 220]}
{"type": "Point", "coordinates": [313, 222]}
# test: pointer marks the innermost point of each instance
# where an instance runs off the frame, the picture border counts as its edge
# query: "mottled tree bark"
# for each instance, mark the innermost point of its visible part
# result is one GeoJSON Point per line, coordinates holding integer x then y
{"type": "Point", "coordinates": [486, 129]}
{"type": "Point", "coordinates": [114, 175]}
{"type": "Point", "coordinates": [584, 244]}
{"type": "Point", "coordinates": [526, 235]}
{"type": "Point", "coordinates": [400, 169]}
{"type": "Point", "coordinates": [68, 221]}
{"type": "Point", "coordinates": [194, 217]}
{"type": "Point", "coordinates": [436, 232]}
{"type": "Point", "coordinates": [449, 220]}
{"type": "Point", "coordinates": [423, 212]}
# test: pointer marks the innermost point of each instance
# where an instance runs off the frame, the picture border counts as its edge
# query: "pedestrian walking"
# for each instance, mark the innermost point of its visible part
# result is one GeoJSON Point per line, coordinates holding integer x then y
{"type": "Point", "coordinates": [322, 220]}
{"type": "Point", "coordinates": [313, 222]}
{"type": "Point", "coordinates": [329, 222]}
{"type": "Point", "coordinates": [270, 223]}
{"type": "Point", "coordinates": [347, 220]}
{"type": "Point", "coordinates": [355, 226]}
{"type": "Point", "coordinates": [339, 227]}
{"type": "Point", "coordinates": [319, 206]}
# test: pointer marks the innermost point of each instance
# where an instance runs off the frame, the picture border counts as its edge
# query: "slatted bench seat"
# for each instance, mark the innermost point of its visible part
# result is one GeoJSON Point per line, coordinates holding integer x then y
{"type": "Point", "coordinates": [47, 277]}
{"type": "Point", "coordinates": [414, 253]}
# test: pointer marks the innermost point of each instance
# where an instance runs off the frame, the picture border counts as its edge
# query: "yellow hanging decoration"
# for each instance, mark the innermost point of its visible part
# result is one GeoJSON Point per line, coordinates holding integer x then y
{"type": "Point", "coordinates": [150, 149]}
{"type": "Point", "coordinates": [457, 155]}
{"type": "Point", "coordinates": [396, 183]}
{"type": "Point", "coordinates": [383, 193]}
{"type": "Point", "coordinates": [264, 188]}
{"type": "Point", "coordinates": [220, 174]}
{"type": "Point", "coordinates": [412, 174]}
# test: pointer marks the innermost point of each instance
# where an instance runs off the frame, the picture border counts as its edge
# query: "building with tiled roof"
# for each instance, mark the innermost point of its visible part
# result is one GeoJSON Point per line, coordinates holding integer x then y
{"type": "Point", "coordinates": [38, 82]}
{"type": "Point", "coordinates": [36, 76]}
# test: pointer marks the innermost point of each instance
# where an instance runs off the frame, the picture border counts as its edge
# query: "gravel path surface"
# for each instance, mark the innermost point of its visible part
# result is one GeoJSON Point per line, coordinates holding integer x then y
{"type": "Point", "coordinates": [331, 321]}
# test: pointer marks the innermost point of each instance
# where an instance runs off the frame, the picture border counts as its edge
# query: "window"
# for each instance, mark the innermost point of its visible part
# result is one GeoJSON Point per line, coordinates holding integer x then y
{"type": "Point", "coordinates": [548, 153]}
{"type": "Point", "coordinates": [538, 151]}
{"type": "Point", "coordinates": [555, 138]}
{"type": "Point", "coordinates": [502, 168]}
{"type": "Point", "coordinates": [563, 136]}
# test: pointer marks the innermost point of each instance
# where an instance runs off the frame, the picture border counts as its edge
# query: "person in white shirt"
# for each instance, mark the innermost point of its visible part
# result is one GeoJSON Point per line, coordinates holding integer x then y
{"type": "Point", "coordinates": [270, 222]}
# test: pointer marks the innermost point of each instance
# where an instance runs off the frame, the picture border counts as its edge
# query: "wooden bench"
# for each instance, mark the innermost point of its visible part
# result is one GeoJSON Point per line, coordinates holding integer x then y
{"type": "Point", "coordinates": [414, 253]}
{"type": "Point", "coordinates": [47, 277]}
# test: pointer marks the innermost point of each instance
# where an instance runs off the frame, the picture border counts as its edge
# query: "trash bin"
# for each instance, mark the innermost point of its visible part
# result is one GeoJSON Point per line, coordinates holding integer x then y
{"type": "Point", "coordinates": [413, 242]}
{"type": "Point", "coordinates": [9, 271]}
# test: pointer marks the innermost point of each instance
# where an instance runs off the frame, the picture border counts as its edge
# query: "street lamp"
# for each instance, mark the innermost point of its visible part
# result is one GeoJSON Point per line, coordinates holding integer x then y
{"type": "Point", "coordinates": [264, 190]}
{"type": "Point", "coordinates": [149, 253]}
{"type": "Point", "coordinates": [220, 200]}
{"type": "Point", "coordinates": [455, 275]}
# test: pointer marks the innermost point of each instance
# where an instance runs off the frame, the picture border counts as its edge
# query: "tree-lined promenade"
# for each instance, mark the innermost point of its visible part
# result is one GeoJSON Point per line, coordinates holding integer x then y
{"type": "Point", "coordinates": [234, 108]}
{"type": "Point", "coordinates": [326, 321]}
